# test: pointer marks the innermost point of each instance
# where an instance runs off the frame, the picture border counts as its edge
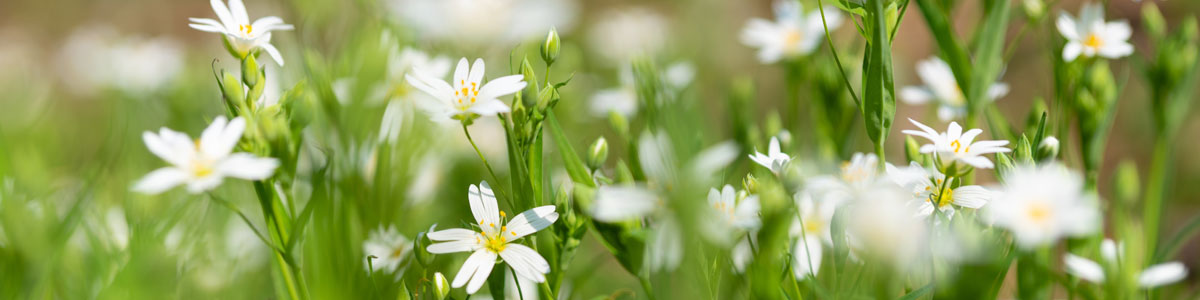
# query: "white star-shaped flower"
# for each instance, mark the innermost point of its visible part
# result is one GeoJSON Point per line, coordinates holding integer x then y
{"type": "Point", "coordinates": [389, 248]}
{"type": "Point", "coordinates": [242, 35]}
{"type": "Point", "coordinates": [774, 160]}
{"type": "Point", "coordinates": [1090, 35]}
{"type": "Point", "coordinates": [1041, 204]}
{"type": "Point", "coordinates": [954, 145]}
{"type": "Point", "coordinates": [792, 33]}
{"type": "Point", "coordinates": [930, 190]}
{"type": "Point", "coordinates": [466, 97]}
{"type": "Point", "coordinates": [494, 240]}
{"type": "Point", "coordinates": [941, 88]}
{"type": "Point", "coordinates": [203, 163]}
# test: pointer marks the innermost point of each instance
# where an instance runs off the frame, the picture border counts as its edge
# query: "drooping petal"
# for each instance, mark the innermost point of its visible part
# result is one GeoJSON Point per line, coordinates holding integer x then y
{"type": "Point", "coordinates": [526, 262]}
{"type": "Point", "coordinates": [273, 52]}
{"type": "Point", "coordinates": [489, 107]}
{"type": "Point", "coordinates": [475, 271]}
{"type": "Point", "coordinates": [160, 180]}
{"type": "Point", "coordinates": [1162, 274]}
{"type": "Point", "coordinates": [1109, 250]}
{"type": "Point", "coordinates": [530, 221]}
{"type": "Point", "coordinates": [247, 166]}
{"type": "Point", "coordinates": [665, 249]}
{"type": "Point", "coordinates": [1084, 268]}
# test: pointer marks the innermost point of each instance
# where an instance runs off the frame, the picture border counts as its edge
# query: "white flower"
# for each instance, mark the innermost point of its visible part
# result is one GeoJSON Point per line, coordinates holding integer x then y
{"type": "Point", "coordinates": [389, 248]}
{"type": "Point", "coordinates": [467, 96]}
{"type": "Point", "coordinates": [1090, 35]}
{"type": "Point", "coordinates": [622, 35]}
{"type": "Point", "coordinates": [941, 88]}
{"type": "Point", "coordinates": [408, 60]}
{"type": "Point", "coordinates": [856, 176]}
{"type": "Point", "coordinates": [97, 57]}
{"type": "Point", "coordinates": [956, 145]}
{"type": "Point", "coordinates": [1152, 276]}
{"type": "Point", "coordinates": [741, 215]}
{"type": "Point", "coordinates": [623, 99]}
{"type": "Point", "coordinates": [774, 160]}
{"type": "Point", "coordinates": [928, 186]}
{"type": "Point", "coordinates": [494, 240]}
{"type": "Point", "coordinates": [792, 34]}
{"type": "Point", "coordinates": [242, 36]}
{"type": "Point", "coordinates": [664, 246]}
{"type": "Point", "coordinates": [811, 230]}
{"type": "Point", "coordinates": [884, 226]}
{"type": "Point", "coordinates": [1040, 204]}
{"type": "Point", "coordinates": [203, 163]}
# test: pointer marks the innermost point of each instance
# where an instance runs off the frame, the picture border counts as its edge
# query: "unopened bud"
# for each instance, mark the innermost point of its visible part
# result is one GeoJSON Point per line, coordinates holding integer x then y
{"type": "Point", "coordinates": [597, 153]}
{"type": "Point", "coordinates": [441, 287]}
{"type": "Point", "coordinates": [1034, 9]}
{"type": "Point", "coordinates": [619, 124]}
{"type": "Point", "coordinates": [1047, 149]}
{"type": "Point", "coordinates": [250, 71]}
{"type": "Point", "coordinates": [529, 95]}
{"type": "Point", "coordinates": [1003, 165]}
{"type": "Point", "coordinates": [1153, 20]}
{"type": "Point", "coordinates": [1126, 184]}
{"type": "Point", "coordinates": [750, 184]}
{"type": "Point", "coordinates": [232, 90]}
{"type": "Point", "coordinates": [551, 46]}
{"type": "Point", "coordinates": [912, 150]}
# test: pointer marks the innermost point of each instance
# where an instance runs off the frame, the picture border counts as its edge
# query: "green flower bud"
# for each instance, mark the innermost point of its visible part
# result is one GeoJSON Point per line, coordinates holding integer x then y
{"type": "Point", "coordinates": [250, 73]}
{"type": "Point", "coordinates": [912, 150]}
{"type": "Point", "coordinates": [623, 173]}
{"type": "Point", "coordinates": [597, 153]}
{"type": "Point", "coordinates": [256, 91]}
{"type": "Point", "coordinates": [1126, 186]}
{"type": "Point", "coordinates": [549, 96]}
{"type": "Point", "coordinates": [423, 257]}
{"type": "Point", "coordinates": [619, 124]}
{"type": "Point", "coordinates": [750, 184]}
{"type": "Point", "coordinates": [232, 90]}
{"type": "Point", "coordinates": [551, 46]}
{"type": "Point", "coordinates": [1034, 9]}
{"type": "Point", "coordinates": [1023, 152]}
{"type": "Point", "coordinates": [1153, 20]}
{"type": "Point", "coordinates": [529, 95]}
{"type": "Point", "coordinates": [1004, 164]}
{"type": "Point", "coordinates": [441, 287]}
{"type": "Point", "coordinates": [1047, 149]}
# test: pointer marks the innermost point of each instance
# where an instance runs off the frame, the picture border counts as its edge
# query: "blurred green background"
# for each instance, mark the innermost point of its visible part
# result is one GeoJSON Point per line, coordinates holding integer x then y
{"type": "Point", "coordinates": [81, 80]}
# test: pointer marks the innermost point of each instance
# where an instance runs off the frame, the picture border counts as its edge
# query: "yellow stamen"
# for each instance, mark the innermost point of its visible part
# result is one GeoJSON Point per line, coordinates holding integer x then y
{"type": "Point", "coordinates": [956, 145]}
{"type": "Point", "coordinates": [1093, 41]}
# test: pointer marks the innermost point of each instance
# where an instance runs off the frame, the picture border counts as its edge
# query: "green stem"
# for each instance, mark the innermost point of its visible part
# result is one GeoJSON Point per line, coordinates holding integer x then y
{"type": "Point", "coordinates": [836, 59]}
{"type": "Point", "coordinates": [487, 165]}
{"type": "Point", "coordinates": [1155, 192]}
{"type": "Point", "coordinates": [517, 282]}
{"type": "Point", "coordinates": [288, 271]}
{"type": "Point", "coordinates": [646, 286]}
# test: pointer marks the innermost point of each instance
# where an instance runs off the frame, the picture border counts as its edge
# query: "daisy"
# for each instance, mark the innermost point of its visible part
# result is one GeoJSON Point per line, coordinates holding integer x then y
{"type": "Point", "coordinates": [1152, 276]}
{"type": "Point", "coordinates": [203, 163]}
{"type": "Point", "coordinates": [467, 97]}
{"type": "Point", "coordinates": [1041, 204]}
{"type": "Point", "coordinates": [792, 34]}
{"type": "Point", "coordinates": [389, 248]}
{"type": "Point", "coordinates": [954, 145]}
{"type": "Point", "coordinates": [930, 190]}
{"type": "Point", "coordinates": [1090, 35]}
{"type": "Point", "coordinates": [941, 88]}
{"type": "Point", "coordinates": [774, 160]}
{"type": "Point", "coordinates": [242, 36]}
{"type": "Point", "coordinates": [494, 240]}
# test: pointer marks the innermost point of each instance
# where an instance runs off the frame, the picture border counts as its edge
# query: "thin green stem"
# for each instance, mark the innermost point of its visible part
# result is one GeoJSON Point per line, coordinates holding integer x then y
{"type": "Point", "coordinates": [495, 178]}
{"type": "Point", "coordinates": [239, 213]}
{"type": "Point", "coordinates": [517, 282]}
{"type": "Point", "coordinates": [836, 59]}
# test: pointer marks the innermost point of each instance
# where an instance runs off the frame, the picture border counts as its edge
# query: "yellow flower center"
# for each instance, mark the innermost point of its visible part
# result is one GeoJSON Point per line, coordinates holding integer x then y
{"type": "Point", "coordinates": [494, 239]}
{"type": "Point", "coordinates": [466, 96]}
{"type": "Point", "coordinates": [958, 148]}
{"type": "Point", "coordinates": [245, 28]}
{"type": "Point", "coordinates": [812, 225]}
{"type": "Point", "coordinates": [792, 38]}
{"type": "Point", "coordinates": [496, 243]}
{"type": "Point", "coordinates": [1038, 212]}
{"type": "Point", "coordinates": [1093, 41]}
{"type": "Point", "coordinates": [200, 167]}
{"type": "Point", "coordinates": [398, 252]}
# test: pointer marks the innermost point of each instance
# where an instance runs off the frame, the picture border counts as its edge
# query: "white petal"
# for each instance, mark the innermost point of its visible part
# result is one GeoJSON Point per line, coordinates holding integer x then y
{"type": "Point", "coordinates": [1083, 268]}
{"type": "Point", "coordinates": [238, 9]}
{"type": "Point", "coordinates": [167, 146]}
{"type": "Point", "coordinates": [615, 204]}
{"type": "Point", "coordinates": [806, 257]}
{"type": "Point", "coordinates": [502, 86]}
{"type": "Point", "coordinates": [453, 246]}
{"type": "Point", "coordinates": [270, 23]}
{"type": "Point", "coordinates": [489, 107]}
{"type": "Point", "coordinates": [1072, 51]}
{"type": "Point", "coordinates": [453, 234]}
{"type": "Point", "coordinates": [221, 136]}
{"type": "Point", "coordinates": [477, 72]}
{"type": "Point", "coordinates": [1162, 274]}
{"type": "Point", "coordinates": [971, 196]}
{"type": "Point", "coordinates": [273, 52]}
{"type": "Point", "coordinates": [223, 14]}
{"type": "Point", "coordinates": [475, 269]}
{"type": "Point", "coordinates": [530, 221]}
{"type": "Point", "coordinates": [1109, 250]}
{"type": "Point", "coordinates": [526, 262]}
{"type": "Point", "coordinates": [160, 180]}
{"type": "Point", "coordinates": [1116, 50]}
{"type": "Point", "coordinates": [915, 95]}
{"type": "Point", "coordinates": [247, 166]}
{"type": "Point", "coordinates": [461, 72]}
{"type": "Point", "coordinates": [435, 87]}
{"type": "Point", "coordinates": [1066, 26]}
{"type": "Point", "coordinates": [773, 148]}
{"type": "Point", "coordinates": [202, 184]}
{"type": "Point", "coordinates": [747, 213]}
{"type": "Point", "coordinates": [483, 206]}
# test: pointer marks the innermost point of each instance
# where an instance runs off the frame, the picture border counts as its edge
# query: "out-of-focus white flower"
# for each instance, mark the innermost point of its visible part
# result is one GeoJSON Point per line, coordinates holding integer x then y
{"type": "Point", "coordinates": [741, 215]}
{"type": "Point", "coordinates": [1041, 204]}
{"type": "Point", "coordinates": [1152, 276]}
{"type": "Point", "coordinates": [954, 145]}
{"type": "Point", "coordinates": [811, 230]}
{"type": "Point", "coordinates": [622, 35]}
{"type": "Point", "coordinates": [928, 187]}
{"type": "Point", "coordinates": [389, 248]}
{"type": "Point", "coordinates": [856, 176]}
{"type": "Point", "coordinates": [623, 99]}
{"type": "Point", "coordinates": [664, 246]}
{"type": "Point", "coordinates": [882, 225]}
{"type": "Point", "coordinates": [467, 97]}
{"type": "Point", "coordinates": [792, 34]}
{"type": "Point", "coordinates": [203, 163]}
{"type": "Point", "coordinates": [478, 23]}
{"type": "Point", "coordinates": [775, 160]}
{"type": "Point", "coordinates": [426, 178]}
{"type": "Point", "coordinates": [941, 88]}
{"type": "Point", "coordinates": [494, 240]}
{"type": "Point", "coordinates": [242, 36]}
{"type": "Point", "coordinates": [98, 57]}
{"type": "Point", "coordinates": [403, 62]}
{"type": "Point", "coordinates": [1090, 35]}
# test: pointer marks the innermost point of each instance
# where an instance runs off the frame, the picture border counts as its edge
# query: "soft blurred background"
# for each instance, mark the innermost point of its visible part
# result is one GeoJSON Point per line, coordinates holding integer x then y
{"type": "Point", "coordinates": [81, 80]}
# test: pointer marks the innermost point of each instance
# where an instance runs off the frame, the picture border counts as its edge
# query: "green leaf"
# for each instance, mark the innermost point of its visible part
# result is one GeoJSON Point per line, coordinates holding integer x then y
{"type": "Point", "coordinates": [989, 61]}
{"type": "Point", "coordinates": [879, 101]}
{"type": "Point", "coordinates": [918, 292]}
{"type": "Point", "coordinates": [943, 33]}
{"type": "Point", "coordinates": [575, 166]}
